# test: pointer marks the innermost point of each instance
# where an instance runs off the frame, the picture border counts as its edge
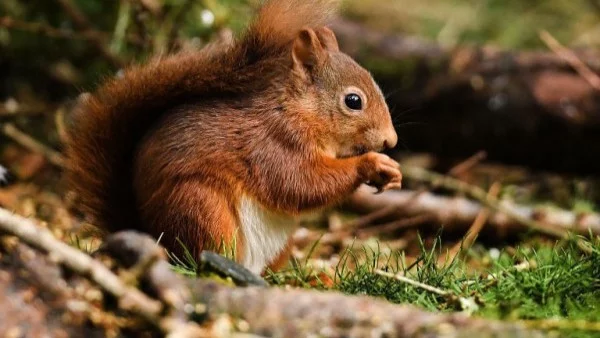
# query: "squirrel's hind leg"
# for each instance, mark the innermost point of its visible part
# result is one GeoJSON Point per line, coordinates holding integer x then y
{"type": "Point", "coordinates": [195, 217]}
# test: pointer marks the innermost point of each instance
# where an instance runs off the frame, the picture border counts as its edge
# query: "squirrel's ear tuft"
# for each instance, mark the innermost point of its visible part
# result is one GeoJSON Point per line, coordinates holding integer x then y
{"type": "Point", "coordinates": [328, 39]}
{"type": "Point", "coordinates": [308, 52]}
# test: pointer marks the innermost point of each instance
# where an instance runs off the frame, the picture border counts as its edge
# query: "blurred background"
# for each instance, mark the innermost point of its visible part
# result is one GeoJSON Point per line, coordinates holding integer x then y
{"type": "Point", "coordinates": [496, 104]}
{"type": "Point", "coordinates": [492, 91]}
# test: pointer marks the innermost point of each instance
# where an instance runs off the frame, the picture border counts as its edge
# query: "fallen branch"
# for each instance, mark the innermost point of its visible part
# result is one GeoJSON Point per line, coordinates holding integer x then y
{"type": "Point", "coordinates": [482, 196]}
{"type": "Point", "coordinates": [129, 298]}
{"type": "Point", "coordinates": [480, 220]}
{"type": "Point", "coordinates": [32, 144]}
{"type": "Point", "coordinates": [275, 312]}
{"type": "Point", "coordinates": [569, 56]}
{"type": "Point", "coordinates": [512, 104]}
{"type": "Point", "coordinates": [466, 304]}
{"type": "Point", "coordinates": [462, 211]}
{"type": "Point", "coordinates": [46, 30]}
{"type": "Point", "coordinates": [255, 310]}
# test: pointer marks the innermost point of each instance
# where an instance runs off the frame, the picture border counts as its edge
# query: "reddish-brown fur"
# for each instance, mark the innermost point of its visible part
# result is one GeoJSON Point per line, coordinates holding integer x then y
{"type": "Point", "coordinates": [172, 146]}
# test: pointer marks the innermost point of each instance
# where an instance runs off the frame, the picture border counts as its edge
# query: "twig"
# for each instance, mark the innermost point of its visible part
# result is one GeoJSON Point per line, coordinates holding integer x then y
{"type": "Point", "coordinates": [467, 164]}
{"type": "Point", "coordinates": [580, 67]}
{"type": "Point", "coordinates": [465, 304]}
{"type": "Point", "coordinates": [414, 283]}
{"type": "Point", "coordinates": [130, 299]}
{"type": "Point", "coordinates": [482, 196]}
{"type": "Point", "coordinates": [44, 29]}
{"type": "Point", "coordinates": [395, 225]}
{"type": "Point", "coordinates": [276, 312]}
{"type": "Point", "coordinates": [371, 217]}
{"type": "Point", "coordinates": [59, 33]}
{"type": "Point", "coordinates": [83, 24]}
{"type": "Point", "coordinates": [30, 143]}
{"type": "Point", "coordinates": [477, 225]}
{"type": "Point", "coordinates": [462, 211]}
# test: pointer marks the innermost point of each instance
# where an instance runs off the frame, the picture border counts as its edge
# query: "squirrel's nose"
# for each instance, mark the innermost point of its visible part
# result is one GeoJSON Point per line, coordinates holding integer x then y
{"type": "Point", "coordinates": [391, 139]}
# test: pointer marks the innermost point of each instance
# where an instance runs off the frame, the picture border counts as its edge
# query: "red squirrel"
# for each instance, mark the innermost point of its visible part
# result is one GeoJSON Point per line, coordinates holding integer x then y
{"type": "Point", "coordinates": [231, 143]}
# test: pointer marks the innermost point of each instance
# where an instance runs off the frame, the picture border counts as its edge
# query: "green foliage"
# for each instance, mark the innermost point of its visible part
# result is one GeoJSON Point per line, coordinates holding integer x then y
{"type": "Point", "coordinates": [506, 23]}
{"type": "Point", "coordinates": [72, 62]}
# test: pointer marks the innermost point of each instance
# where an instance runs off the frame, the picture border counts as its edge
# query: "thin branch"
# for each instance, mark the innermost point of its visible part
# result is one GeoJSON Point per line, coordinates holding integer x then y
{"type": "Point", "coordinates": [453, 211]}
{"type": "Point", "coordinates": [395, 225]}
{"type": "Point", "coordinates": [276, 312]}
{"type": "Point", "coordinates": [412, 282]}
{"type": "Point", "coordinates": [84, 25]}
{"type": "Point", "coordinates": [482, 196]}
{"type": "Point", "coordinates": [32, 144]}
{"type": "Point", "coordinates": [467, 164]}
{"type": "Point", "coordinates": [478, 223]}
{"type": "Point", "coordinates": [465, 304]}
{"type": "Point", "coordinates": [459, 210]}
{"type": "Point", "coordinates": [580, 67]}
{"type": "Point", "coordinates": [44, 29]}
{"type": "Point", "coordinates": [129, 298]}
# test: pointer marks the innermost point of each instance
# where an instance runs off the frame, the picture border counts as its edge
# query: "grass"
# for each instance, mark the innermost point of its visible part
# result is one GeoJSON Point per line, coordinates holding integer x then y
{"type": "Point", "coordinates": [554, 287]}
{"type": "Point", "coordinates": [505, 23]}
{"type": "Point", "coordinates": [535, 282]}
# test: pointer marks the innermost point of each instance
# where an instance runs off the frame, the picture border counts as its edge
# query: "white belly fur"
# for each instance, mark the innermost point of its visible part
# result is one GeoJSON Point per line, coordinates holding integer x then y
{"type": "Point", "coordinates": [265, 233]}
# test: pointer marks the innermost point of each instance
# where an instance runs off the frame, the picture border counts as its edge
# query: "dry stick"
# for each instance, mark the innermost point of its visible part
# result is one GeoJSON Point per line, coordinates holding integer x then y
{"type": "Point", "coordinates": [491, 202]}
{"type": "Point", "coordinates": [467, 164]}
{"type": "Point", "coordinates": [129, 298]}
{"type": "Point", "coordinates": [465, 303]}
{"type": "Point", "coordinates": [57, 33]}
{"type": "Point", "coordinates": [455, 210]}
{"type": "Point", "coordinates": [396, 225]}
{"type": "Point", "coordinates": [477, 225]}
{"type": "Point", "coordinates": [44, 29]}
{"type": "Point", "coordinates": [478, 194]}
{"type": "Point", "coordinates": [412, 282]}
{"type": "Point", "coordinates": [388, 210]}
{"type": "Point", "coordinates": [371, 217]}
{"type": "Point", "coordinates": [30, 143]}
{"type": "Point", "coordinates": [580, 67]}
{"type": "Point", "coordinates": [83, 24]}
{"type": "Point", "coordinates": [368, 219]}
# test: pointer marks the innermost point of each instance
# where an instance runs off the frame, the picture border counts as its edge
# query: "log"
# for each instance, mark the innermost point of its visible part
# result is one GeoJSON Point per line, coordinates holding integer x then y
{"type": "Point", "coordinates": [459, 213]}
{"type": "Point", "coordinates": [274, 312]}
{"type": "Point", "coordinates": [530, 108]}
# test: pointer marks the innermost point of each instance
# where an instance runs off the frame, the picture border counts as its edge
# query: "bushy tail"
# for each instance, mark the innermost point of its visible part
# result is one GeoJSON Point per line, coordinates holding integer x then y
{"type": "Point", "coordinates": [279, 21]}
{"type": "Point", "coordinates": [108, 125]}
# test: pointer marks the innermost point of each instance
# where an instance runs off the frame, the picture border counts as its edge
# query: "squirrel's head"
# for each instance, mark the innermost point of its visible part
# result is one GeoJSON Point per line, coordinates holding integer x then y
{"type": "Point", "coordinates": [339, 94]}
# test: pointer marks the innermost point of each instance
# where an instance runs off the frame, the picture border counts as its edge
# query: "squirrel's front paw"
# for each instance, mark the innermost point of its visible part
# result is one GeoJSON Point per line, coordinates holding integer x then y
{"type": "Point", "coordinates": [382, 172]}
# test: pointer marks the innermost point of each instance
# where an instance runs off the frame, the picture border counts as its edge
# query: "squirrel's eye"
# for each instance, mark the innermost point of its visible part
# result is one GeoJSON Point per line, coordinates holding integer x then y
{"type": "Point", "coordinates": [353, 101]}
